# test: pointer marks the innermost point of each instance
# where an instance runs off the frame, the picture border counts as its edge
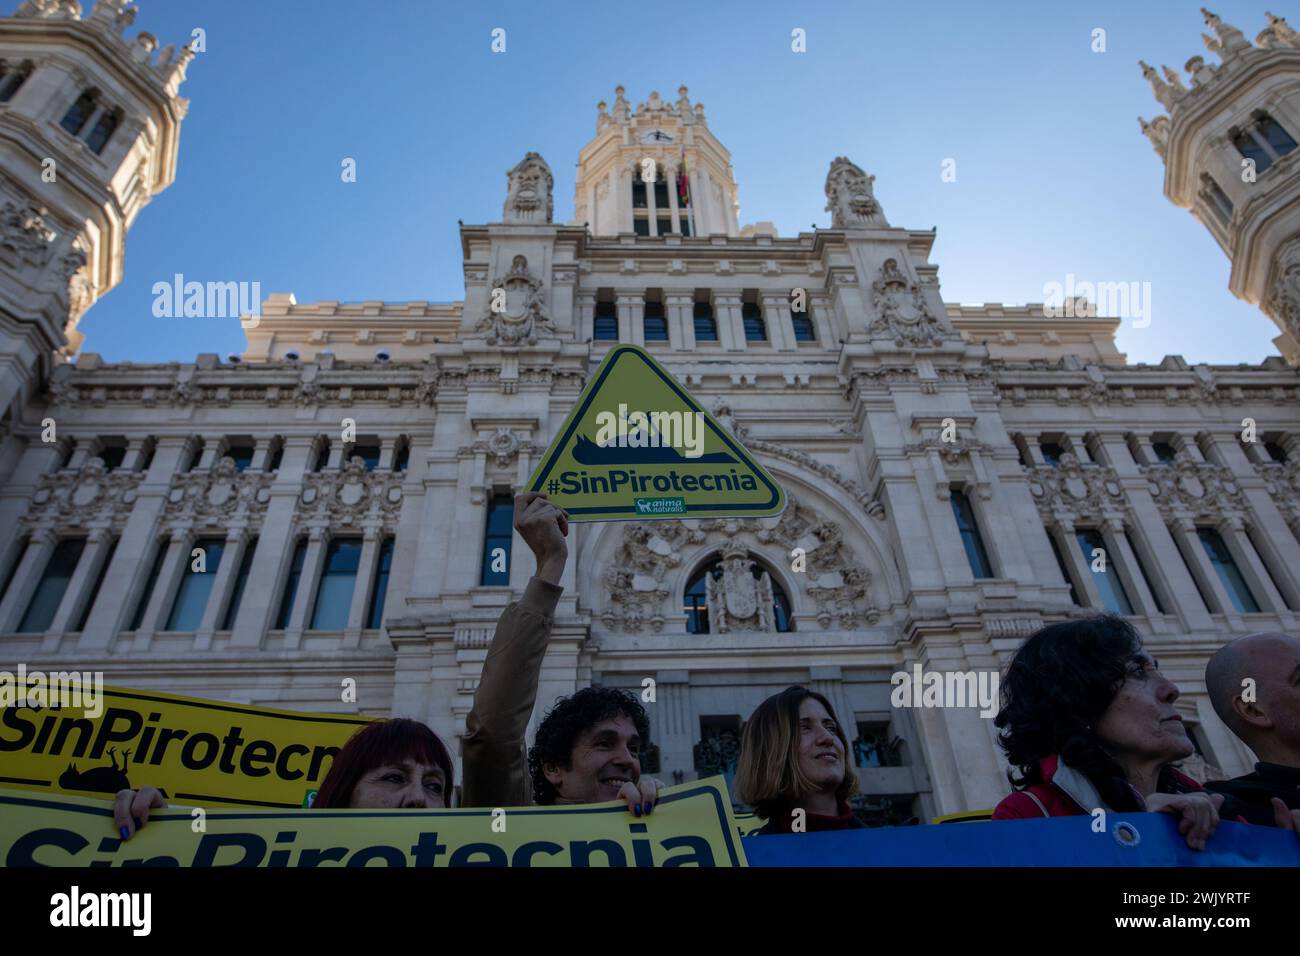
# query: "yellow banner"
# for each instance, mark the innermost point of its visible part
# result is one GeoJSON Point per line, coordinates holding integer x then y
{"type": "Point", "coordinates": [200, 752]}
{"type": "Point", "coordinates": [691, 825]}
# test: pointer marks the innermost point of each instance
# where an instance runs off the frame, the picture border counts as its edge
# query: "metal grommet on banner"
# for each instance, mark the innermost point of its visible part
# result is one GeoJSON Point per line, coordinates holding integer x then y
{"type": "Point", "coordinates": [1126, 834]}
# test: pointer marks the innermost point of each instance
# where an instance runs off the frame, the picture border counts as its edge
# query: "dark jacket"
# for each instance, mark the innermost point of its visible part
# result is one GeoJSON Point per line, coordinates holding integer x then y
{"type": "Point", "coordinates": [782, 822]}
{"type": "Point", "coordinates": [495, 761]}
{"type": "Point", "coordinates": [1252, 792]}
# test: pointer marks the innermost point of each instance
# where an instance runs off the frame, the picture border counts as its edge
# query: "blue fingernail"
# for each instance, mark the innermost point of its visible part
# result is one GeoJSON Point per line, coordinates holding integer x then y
{"type": "Point", "coordinates": [126, 834]}
{"type": "Point", "coordinates": [636, 809]}
{"type": "Point", "coordinates": [649, 807]}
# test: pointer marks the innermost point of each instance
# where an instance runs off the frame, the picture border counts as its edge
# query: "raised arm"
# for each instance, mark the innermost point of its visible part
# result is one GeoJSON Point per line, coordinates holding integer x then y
{"type": "Point", "coordinates": [493, 753]}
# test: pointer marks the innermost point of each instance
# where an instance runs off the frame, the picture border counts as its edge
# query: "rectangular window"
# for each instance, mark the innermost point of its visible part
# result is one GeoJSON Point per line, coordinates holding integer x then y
{"type": "Point", "coordinates": [1065, 571]}
{"type": "Point", "coordinates": [242, 456]}
{"type": "Point", "coordinates": [99, 583]}
{"type": "Point", "coordinates": [755, 327]}
{"type": "Point", "coordinates": [403, 457]}
{"type": "Point", "coordinates": [638, 192]}
{"type": "Point", "coordinates": [496, 541]}
{"type": "Point", "coordinates": [1155, 595]}
{"type": "Point", "coordinates": [1105, 573]}
{"type": "Point", "coordinates": [291, 585]}
{"type": "Point", "coordinates": [804, 330]}
{"type": "Point", "coordinates": [1276, 452]}
{"type": "Point", "coordinates": [1165, 452]}
{"type": "Point", "coordinates": [1250, 148]}
{"type": "Point", "coordinates": [1200, 589]}
{"type": "Point", "coordinates": [606, 322]}
{"type": "Point", "coordinates": [1052, 452]}
{"type": "Point", "coordinates": [160, 555]}
{"type": "Point", "coordinates": [641, 226]}
{"type": "Point", "coordinates": [706, 326]}
{"type": "Point", "coordinates": [1228, 572]}
{"type": "Point", "coordinates": [196, 586]}
{"type": "Point", "coordinates": [112, 457]}
{"type": "Point", "coordinates": [241, 581]}
{"type": "Point", "coordinates": [661, 193]}
{"type": "Point", "coordinates": [322, 455]}
{"type": "Point", "coordinates": [375, 619]}
{"type": "Point", "coordinates": [13, 569]}
{"type": "Point", "coordinates": [368, 452]}
{"type": "Point", "coordinates": [970, 536]}
{"type": "Point", "coordinates": [54, 584]}
{"type": "Point", "coordinates": [663, 227]}
{"type": "Point", "coordinates": [1274, 135]}
{"type": "Point", "coordinates": [337, 582]}
{"type": "Point", "coordinates": [656, 326]}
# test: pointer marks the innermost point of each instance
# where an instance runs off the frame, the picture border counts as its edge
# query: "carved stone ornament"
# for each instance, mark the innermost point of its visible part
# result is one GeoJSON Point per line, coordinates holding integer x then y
{"type": "Point", "coordinates": [1203, 490]}
{"type": "Point", "coordinates": [1078, 490]}
{"type": "Point", "coordinates": [1284, 299]}
{"type": "Point", "coordinates": [737, 600]}
{"type": "Point", "coordinates": [25, 239]}
{"type": "Point", "coordinates": [522, 314]}
{"type": "Point", "coordinates": [73, 499]}
{"type": "Point", "coordinates": [217, 496]}
{"type": "Point", "coordinates": [50, 10]}
{"type": "Point", "coordinates": [849, 197]}
{"type": "Point", "coordinates": [902, 311]}
{"type": "Point", "coordinates": [645, 567]}
{"type": "Point", "coordinates": [529, 196]}
{"type": "Point", "coordinates": [351, 494]}
{"type": "Point", "coordinates": [503, 446]}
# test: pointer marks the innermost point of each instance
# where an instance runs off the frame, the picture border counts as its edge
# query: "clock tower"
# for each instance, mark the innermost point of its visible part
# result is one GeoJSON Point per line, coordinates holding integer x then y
{"type": "Point", "coordinates": [655, 171]}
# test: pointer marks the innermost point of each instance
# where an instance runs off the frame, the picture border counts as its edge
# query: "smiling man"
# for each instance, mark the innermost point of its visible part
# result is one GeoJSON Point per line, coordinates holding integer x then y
{"type": "Point", "coordinates": [588, 750]}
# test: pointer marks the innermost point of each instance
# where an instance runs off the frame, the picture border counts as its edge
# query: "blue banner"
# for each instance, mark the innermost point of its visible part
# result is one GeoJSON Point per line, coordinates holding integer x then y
{"type": "Point", "coordinates": [1131, 839]}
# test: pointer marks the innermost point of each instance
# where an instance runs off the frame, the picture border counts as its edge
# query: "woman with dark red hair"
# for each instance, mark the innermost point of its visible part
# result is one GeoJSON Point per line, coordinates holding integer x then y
{"type": "Point", "coordinates": [389, 765]}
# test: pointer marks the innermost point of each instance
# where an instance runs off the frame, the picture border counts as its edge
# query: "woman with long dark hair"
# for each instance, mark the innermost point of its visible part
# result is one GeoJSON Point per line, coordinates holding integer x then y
{"type": "Point", "coordinates": [793, 768]}
{"type": "Point", "coordinates": [1088, 722]}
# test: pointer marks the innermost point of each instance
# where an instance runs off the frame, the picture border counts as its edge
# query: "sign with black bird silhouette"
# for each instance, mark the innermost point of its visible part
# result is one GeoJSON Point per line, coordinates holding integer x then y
{"type": "Point", "coordinates": [638, 446]}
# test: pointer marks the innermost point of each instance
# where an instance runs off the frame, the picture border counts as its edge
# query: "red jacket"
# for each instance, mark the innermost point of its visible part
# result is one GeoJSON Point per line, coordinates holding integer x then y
{"type": "Point", "coordinates": [1066, 792]}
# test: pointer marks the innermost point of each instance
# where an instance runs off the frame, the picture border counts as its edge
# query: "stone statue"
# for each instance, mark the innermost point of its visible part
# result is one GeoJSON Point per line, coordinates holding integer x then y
{"type": "Point", "coordinates": [849, 197]}
{"type": "Point", "coordinates": [528, 198]}
{"type": "Point", "coordinates": [519, 312]}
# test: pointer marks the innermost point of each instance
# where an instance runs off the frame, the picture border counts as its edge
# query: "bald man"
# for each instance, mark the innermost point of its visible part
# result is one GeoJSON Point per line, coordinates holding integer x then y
{"type": "Point", "coordinates": [1254, 684]}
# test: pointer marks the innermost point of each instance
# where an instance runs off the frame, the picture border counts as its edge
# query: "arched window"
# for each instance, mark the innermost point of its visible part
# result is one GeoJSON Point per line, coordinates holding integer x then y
{"type": "Point", "coordinates": [1264, 140]}
{"type": "Point", "coordinates": [103, 131]}
{"type": "Point", "coordinates": [696, 605]}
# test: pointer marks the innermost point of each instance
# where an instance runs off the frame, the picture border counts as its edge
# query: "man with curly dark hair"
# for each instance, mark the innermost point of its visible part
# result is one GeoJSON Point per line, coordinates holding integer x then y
{"type": "Point", "coordinates": [588, 750]}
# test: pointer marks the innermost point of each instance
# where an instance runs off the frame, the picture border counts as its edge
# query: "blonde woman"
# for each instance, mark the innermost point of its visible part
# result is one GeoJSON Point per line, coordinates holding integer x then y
{"type": "Point", "coordinates": [793, 767]}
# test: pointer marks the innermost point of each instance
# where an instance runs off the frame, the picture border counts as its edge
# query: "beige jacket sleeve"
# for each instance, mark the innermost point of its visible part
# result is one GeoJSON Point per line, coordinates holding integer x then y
{"type": "Point", "coordinates": [493, 755]}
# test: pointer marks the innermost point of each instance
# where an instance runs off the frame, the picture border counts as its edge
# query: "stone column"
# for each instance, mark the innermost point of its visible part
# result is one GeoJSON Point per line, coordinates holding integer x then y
{"type": "Point", "coordinates": [1119, 553]}
{"type": "Point", "coordinates": [731, 330]}
{"type": "Point", "coordinates": [631, 318]}
{"type": "Point", "coordinates": [305, 599]}
{"type": "Point", "coordinates": [670, 723]}
{"type": "Point", "coordinates": [1233, 531]}
{"type": "Point", "coordinates": [164, 589]}
{"type": "Point", "coordinates": [679, 307]}
{"type": "Point", "coordinates": [1062, 532]}
{"type": "Point", "coordinates": [672, 199]}
{"type": "Point", "coordinates": [585, 299]}
{"type": "Point", "coordinates": [223, 586]}
{"type": "Point", "coordinates": [1189, 542]}
{"type": "Point", "coordinates": [40, 548]}
{"type": "Point", "coordinates": [361, 587]}
{"type": "Point", "coordinates": [98, 543]}
{"type": "Point", "coordinates": [780, 326]}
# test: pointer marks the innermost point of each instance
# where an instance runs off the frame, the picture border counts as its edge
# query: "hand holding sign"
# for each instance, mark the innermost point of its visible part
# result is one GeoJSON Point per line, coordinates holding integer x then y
{"type": "Point", "coordinates": [543, 527]}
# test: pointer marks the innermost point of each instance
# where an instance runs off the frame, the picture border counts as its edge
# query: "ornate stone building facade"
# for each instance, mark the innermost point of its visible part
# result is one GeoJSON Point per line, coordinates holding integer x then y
{"type": "Point", "coordinates": [951, 471]}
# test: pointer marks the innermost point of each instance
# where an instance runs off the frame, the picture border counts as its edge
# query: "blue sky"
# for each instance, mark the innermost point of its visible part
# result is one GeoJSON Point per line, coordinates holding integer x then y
{"type": "Point", "coordinates": [1053, 173]}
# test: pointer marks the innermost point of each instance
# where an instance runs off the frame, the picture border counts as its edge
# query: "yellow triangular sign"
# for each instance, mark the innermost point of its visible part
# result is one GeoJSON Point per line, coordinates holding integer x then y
{"type": "Point", "coordinates": [638, 446]}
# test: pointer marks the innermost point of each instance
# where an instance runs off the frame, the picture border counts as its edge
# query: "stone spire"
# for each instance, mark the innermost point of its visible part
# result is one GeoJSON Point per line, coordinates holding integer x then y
{"type": "Point", "coordinates": [1231, 39]}
{"type": "Point", "coordinates": [1157, 131]}
{"type": "Point", "coordinates": [1277, 33]}
{"type": "Point", "coordinates": [1167, 96]}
